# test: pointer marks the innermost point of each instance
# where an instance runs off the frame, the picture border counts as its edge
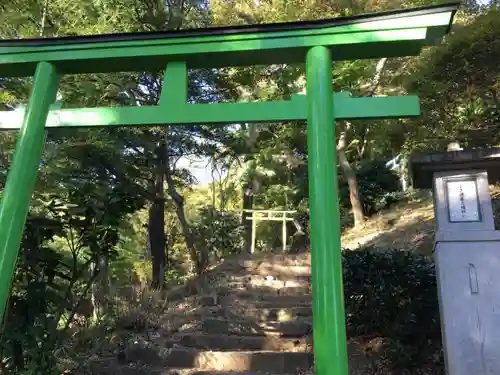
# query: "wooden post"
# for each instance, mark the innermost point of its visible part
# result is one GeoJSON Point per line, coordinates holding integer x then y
{"type": "Point", "coordinates": [254, 231]}
{"type": "Point", "coordinates": [283, 231]}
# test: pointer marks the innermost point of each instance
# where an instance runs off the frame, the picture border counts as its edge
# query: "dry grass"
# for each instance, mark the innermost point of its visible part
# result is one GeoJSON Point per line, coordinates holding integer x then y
{"type": "Point", "coordinates": [408, 226]}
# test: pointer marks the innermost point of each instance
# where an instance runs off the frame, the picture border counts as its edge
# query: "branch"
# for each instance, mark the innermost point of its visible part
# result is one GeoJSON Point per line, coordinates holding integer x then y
{"type": "Point", "coordinates": [71, 316]}
{"type": "Point", "coordinates": [341, 144]}
{"type": "Point", "coordinates": [372, 89]}
{"type": "Point", "coordinates": [44, 17]}
{"type": "Point", "coordinates": [375, 82]}
{"type": "Point", "coordinates": [364, 142]}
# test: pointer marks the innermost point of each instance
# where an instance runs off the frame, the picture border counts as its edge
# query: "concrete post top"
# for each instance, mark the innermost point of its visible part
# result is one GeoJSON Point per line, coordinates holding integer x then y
{"type": "Point", "coordinates": [424, 165]}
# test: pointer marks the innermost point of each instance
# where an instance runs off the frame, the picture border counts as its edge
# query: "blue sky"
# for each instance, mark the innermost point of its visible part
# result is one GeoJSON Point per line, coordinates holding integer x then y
{"type": "Point", "coordinates": [200, 169]}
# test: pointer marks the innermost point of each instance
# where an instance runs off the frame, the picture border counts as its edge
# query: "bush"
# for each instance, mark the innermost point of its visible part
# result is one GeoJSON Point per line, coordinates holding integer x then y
{"type": "Point", "coordinates": [393, 295]}
{"type": "Point", "coordinates": [378, 187]}
{"type": "Point", "coordinates": [217, 235]}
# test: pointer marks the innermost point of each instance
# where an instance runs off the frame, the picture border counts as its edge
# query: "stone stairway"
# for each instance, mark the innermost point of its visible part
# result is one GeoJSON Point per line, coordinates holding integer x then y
{"type": "Point", "coordinates": [253, 318]}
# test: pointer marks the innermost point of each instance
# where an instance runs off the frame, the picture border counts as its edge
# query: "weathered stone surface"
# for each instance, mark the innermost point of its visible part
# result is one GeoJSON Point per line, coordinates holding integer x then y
{"type": "Point", "coordinates": [180, 361]}
{"type": "Point", "coordinates": [134, 370]}
{"type": "Point", "coordinates": [252, 300]}
{"type": "Point", "coordinates": [251, 327]}
{"type": "Point", "coordinates": [281, 314]}
{"type": "Point", "coordinates": [263, 314]}
{"type": "Point", "coordinates": [281, 270]}
{"type": "Point", "coordinates": [188, 361]}
{"type": "Point", "coordinates": [277, 296]}
{"type": "Point", "coordinates": [258, 278]}
{"type": "Point", "coordinates": [274, 286]}
{"type": "Point", "coordinates": [286, 260]}
{"type": "Point", "coordinates": [209, 300]}
{"type": "Point", "coordinates": [223, 342]}
{"type": "Point", "coordinates": [268, 361]}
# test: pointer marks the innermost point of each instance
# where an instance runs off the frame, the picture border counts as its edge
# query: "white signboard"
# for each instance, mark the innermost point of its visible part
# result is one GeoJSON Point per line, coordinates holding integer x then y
{"type": "Point", "coordinates": [463, 200]}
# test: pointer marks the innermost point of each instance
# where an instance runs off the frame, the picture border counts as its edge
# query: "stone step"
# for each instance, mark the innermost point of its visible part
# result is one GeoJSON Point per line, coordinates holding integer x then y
{"type": "Point", "coordinates": [172, 321]}
{"type": "Point", "coordinates": [267, 361]}
{"type": "Point", "coordinates": [276, 269]}
{"type": "Point", "coordinates": [248, 327]}
{"type": "Point", "coordinates": [279, 314]}
{"type": "Point", "coordinates": [271, 285]}
{"type": "Point", "coordinates": [188, 358]}
{"type": "Point", "coordinates": [181, 361]}
{"type": "Point", "coordinates": [252, 295]}
{"type": "Point", "coordinates": [222, 342]}
{"type": "Point", "coordinates": [107, 367]}
{"type": "Point", "coordinates": [263, 314]}
{"type": "Point", "coordinates": [258, 279]}
{"type": "Point", "coordinates": [189, 361]}
{"type": "Point", "coordinates": [253, 299]}
{"type": "Point", "coordinates": [198, 372]}
{"type": "Point", "coordinates": [286, 260]}
{"type": "Point", "coordinates": [283, 291]}
{"type": "Point", "coordinates": [282, 302]}
{"type": "Point", "coordinates": [202, 372]}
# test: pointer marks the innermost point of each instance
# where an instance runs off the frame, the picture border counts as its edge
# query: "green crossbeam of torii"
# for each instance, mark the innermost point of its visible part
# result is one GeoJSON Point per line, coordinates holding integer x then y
{"type": "Point", "coordinates": [226, 113]}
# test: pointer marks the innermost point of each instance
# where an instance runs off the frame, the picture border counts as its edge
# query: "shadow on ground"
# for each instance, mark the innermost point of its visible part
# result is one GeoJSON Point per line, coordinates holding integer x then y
{"type": "Point", "coordinates": [407, 227]}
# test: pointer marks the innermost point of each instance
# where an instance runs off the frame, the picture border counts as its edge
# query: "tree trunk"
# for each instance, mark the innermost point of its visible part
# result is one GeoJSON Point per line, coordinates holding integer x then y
{"type": "Point", "coordinates": [352, 181]}
{"type": "Point", "coordinates": [200, 261]}
{"type": "Point", "coordinates": [347, 169]}
{"type": "Point", "coordinates": [17, 356]}
{"type": "Point", "coordinates": [157, 221]}
{"type": "Point", "coordinates": [100, 289]}
{"type": "Point", "coordinates": [223, 189]}
{"type": "Point", "coordinates": [403, 173]}
{"type": "Point", "coordinates": [249, 189]}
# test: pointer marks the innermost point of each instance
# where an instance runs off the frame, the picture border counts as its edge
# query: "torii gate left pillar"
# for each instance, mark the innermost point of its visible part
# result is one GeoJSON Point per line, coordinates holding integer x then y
{"type": "Point", "coordinates": [397, 33]}
{"type": "Point", "coordinates": [329, 322]}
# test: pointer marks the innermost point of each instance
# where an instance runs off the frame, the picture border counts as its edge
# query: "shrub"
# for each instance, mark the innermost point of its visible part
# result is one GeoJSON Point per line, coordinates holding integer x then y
{"type": "Point", "coordinates": [217, 235]}
{"type": "Point", "coordinates": [378, 187]}
{"type": "Point", "coordinates": [393, 295]}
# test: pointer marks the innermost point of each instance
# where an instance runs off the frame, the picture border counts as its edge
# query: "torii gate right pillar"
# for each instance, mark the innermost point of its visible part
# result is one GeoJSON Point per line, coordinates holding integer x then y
{"type": "Point", "coordinates": [467, 254]}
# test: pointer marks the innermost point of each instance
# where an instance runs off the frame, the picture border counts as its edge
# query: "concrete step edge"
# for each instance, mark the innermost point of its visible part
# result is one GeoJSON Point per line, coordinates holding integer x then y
{"type": "Point", "coordinates": [255, 361]}
{"type": "Point", "coordinates": [231, 343]}
{"type": "Point", "coordinates": [249, 327]}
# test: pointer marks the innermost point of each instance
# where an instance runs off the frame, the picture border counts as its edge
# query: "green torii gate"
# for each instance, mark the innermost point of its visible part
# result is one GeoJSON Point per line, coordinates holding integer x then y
{"type": "Point", "coordinates": [387, 34]}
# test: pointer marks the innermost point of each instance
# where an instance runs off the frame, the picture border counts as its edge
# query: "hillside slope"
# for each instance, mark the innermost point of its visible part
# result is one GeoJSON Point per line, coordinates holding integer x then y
{"type": "Point", "coordinates": [407, 226]}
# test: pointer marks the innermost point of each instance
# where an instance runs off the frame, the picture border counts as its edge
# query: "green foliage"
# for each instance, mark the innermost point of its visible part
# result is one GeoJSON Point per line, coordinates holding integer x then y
{"type": "Point", "coordinates": [31, 322]}
{"type": "Point", "coordinates": [392, 294]}
{"type": "Point", "coordinates": [378, 187]}
{"type": "Point", "coordinates": [217, 235]}
{"type": "Point", "coordinates": [69, 240]}
{"type": "Point", "coordinates": [459, 87]}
